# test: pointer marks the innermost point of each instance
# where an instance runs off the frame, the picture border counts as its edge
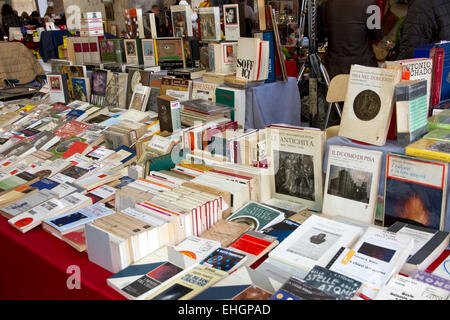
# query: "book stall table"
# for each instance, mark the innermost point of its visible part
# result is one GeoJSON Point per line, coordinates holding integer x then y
{"type": "Point", "coordinates": [36, 265]}
{"type": "Point", "coordinates": [276, 102]}
{"type": "Point", "coordinates": [390, 146]}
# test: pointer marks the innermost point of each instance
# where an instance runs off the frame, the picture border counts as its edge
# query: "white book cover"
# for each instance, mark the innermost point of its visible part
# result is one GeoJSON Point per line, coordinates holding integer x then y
{"type": "Point", "coordinates": [419, 69]}
{"type": "Point", "coordinates": [74, 219]}
{"type": "Point", "coordinates": [49, 168]}
{"type": "Point", "coordinates": [197, 248]}
{"type": "Point", "coordinates": [139, 98]}
{"type": "Point", "coordinates": [247, 60]}
{"type": "Point", "coordinates": [231, 22]}
{"type": "Point", "coordinates": [404, 288]}
{"type": "Point", "coordinates": [204, 90]}
{"type": "Point", "coordinates": [369, 103]}
{"type": "Point", "coordinates": [388, 246]}
{"type": "Point", "coordinates": [351, 183]}
{"type": "Point", "coordinates": [148, 52]}
{"type": "Point", "coordinates": [209, 23]}
{"type": "Point", "coordinates": [315, 242]}
{"type": "Point", "coordinates": [228, 51]}
{"type": "Point", "coordinates": [29, 202]}
{"type": "Point", "coordinates": [181, 20]}
{"type": "Point", "coordinates": [296, 160]}
{"type": "Point", "coordinates": [33, 217]}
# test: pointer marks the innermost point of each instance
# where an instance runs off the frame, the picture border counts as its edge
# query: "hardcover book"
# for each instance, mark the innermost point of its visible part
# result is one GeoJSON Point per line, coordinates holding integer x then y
{"type": "Point", "coordinates": [351, 184]}
{"type": "Point", "coordinates": [415, 191]}
{"type": "Point", "coordinates": [369, 103]}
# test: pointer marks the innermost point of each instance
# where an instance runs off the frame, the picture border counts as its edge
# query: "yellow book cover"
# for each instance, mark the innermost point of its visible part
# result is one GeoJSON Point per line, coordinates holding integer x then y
{"type": "Point", "coordinates": [430, 149]}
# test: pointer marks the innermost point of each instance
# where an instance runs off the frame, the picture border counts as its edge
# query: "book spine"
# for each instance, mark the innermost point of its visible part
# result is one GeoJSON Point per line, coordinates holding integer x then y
{"type": "Point", "coordinates": [438, 59]}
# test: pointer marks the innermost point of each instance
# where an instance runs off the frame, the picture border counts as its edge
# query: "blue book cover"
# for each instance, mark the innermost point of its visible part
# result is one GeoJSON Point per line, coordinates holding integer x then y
{"type": "Point", "coordinates": [282, 230]}
{"type": "Point", "coordinates": [45, 183]}
{"type": "Point", "coordinates": [73, 114]}
{"type": "Point", "coordinates": [128, 149]}
{"type": "Point", "coordinates": [424, 52]}
{"type": "Point", "coordinates": [268, 36]}
{"type": "Point", "coordinates": [80, 89]}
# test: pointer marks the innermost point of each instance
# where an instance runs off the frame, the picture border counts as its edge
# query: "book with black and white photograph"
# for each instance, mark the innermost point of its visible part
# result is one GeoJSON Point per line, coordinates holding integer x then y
{"type": "Point", "coordinates": [351, 184]}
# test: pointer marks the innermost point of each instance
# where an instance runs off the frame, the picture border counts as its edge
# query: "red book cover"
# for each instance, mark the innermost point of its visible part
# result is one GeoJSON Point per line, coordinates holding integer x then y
{"type": "Point", "coordinates": [438, 61]}
{"type": "Point", "coordinates": [71, 129]}
{"type": "Point", "coordinates": [76, 147]}
{"type": "Point", "coordinates": [439, 260]}
{"type": "Point", "coordinates": [77, 237]}
{"type": "Point", "coordinates": [251, 245]}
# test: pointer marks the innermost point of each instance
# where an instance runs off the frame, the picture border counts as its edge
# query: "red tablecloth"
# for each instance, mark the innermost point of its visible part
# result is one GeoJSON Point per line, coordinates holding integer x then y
{"type": "Point", "coordinates": [34, 265]}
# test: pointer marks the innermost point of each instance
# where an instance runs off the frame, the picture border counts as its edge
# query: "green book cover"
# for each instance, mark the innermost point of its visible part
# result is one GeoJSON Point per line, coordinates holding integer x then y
{"type": "Point", "coordinates": [257, 215]}
{"type": "Point", "coordinates": [440, 121]}
{"type": "Point", "coordinates": [63, 146]}
{"type": "Point", "coordinates": [227, 98]}
{"type": "Point", "coordinates": [438, 134]}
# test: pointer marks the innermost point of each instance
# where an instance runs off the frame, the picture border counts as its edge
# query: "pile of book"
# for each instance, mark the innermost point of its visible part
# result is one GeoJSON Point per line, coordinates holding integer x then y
{"type": "Point", "coordinates": [138, 152]}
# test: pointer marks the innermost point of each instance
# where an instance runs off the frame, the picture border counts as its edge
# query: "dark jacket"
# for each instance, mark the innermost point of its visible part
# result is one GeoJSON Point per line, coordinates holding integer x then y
{"type": "Point", "coordinates": [349, 39]}
{"type": "Point", "coordinates": [427, 21]}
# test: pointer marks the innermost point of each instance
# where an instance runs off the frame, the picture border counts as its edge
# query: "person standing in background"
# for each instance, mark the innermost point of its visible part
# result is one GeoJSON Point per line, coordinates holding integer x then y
{"type": "Point", "coordinates": [427, 21]}
{"type": "Point", "coordinates": [349, 38]}
{"type": "Point", "coordinates": [9, 19]}
{"type": "Point", "coordinates": [49, 15]}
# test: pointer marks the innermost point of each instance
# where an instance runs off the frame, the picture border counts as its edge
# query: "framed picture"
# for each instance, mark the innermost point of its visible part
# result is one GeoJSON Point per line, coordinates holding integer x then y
{"type": "Point", "coordinates": [113, 29]}
{"type": "Point", "coordinates": [109, 11]}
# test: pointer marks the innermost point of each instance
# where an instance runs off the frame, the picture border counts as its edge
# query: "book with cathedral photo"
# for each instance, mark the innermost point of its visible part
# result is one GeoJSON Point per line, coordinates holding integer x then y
{"type": "Point", "coordinates": [351, 184]}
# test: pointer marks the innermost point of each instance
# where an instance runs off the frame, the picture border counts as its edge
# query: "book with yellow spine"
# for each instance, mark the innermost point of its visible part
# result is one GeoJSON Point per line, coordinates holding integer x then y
{"type": "Point", "coordinates": [430, 149]}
